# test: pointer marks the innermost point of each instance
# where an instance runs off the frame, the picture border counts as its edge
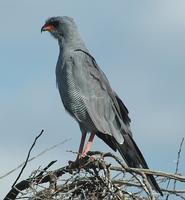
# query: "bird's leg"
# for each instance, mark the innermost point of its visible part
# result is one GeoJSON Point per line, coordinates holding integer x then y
{"type": "Point", "coordinates": [81, 145]}
{"type": "Point", "coordinates": [89, 144]}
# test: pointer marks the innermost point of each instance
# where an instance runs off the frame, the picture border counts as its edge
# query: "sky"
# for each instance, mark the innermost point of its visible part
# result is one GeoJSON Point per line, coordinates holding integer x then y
{"type": "Point", "coordinates": [140, 45]}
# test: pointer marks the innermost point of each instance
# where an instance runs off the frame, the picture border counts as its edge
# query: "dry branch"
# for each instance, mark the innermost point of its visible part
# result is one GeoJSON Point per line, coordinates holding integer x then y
{"type": "Point", "coordinates": [34, 157]}
{"type": "Point", "coordinates": [96, 178]}
{"type": "Point", "coordinates": [27, 158]}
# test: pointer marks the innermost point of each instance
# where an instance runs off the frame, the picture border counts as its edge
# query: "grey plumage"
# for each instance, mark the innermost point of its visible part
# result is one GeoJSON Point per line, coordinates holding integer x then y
{"type": "Point", "coordinates": [88, 97]}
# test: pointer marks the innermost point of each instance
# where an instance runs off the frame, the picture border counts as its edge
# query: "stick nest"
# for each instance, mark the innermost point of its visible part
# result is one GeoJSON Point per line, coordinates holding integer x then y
{"type": "Point", "coordinates": [97, 176]}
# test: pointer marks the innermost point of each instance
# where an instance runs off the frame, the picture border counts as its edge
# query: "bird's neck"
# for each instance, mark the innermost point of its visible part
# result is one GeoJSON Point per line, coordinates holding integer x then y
{"type": "Point", "coordinates": [72, 43]}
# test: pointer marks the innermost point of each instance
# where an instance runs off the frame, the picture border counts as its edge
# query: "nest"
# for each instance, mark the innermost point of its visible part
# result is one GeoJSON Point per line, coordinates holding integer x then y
{"type": "Point", "coordinates": [97, 176]}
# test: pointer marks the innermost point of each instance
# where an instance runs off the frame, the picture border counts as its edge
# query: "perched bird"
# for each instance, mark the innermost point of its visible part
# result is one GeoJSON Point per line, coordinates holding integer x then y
{"type": "Point", "coordinates": [88, 97]}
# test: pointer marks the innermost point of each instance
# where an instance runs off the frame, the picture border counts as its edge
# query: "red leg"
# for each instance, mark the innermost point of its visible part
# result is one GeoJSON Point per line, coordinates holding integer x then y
{"type": "Point", "coordinates": [89, 144]}
{"type": "Point", "coordinates": [81, 145]}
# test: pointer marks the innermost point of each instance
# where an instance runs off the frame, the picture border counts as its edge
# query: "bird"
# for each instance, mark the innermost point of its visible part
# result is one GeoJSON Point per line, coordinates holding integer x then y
{"type": "Point", "coordinates": [89, 98]}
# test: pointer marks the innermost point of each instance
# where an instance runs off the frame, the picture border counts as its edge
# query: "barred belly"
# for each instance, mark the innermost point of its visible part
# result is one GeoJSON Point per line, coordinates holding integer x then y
{"type": "Point", "coordinates": [73, 100]}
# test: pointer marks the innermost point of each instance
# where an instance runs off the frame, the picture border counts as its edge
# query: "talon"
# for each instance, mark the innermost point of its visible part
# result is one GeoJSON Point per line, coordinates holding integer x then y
{"type": "Point", "coordinates": [73, 164]}
{"type": "Point", "coordinates": [92, 158]}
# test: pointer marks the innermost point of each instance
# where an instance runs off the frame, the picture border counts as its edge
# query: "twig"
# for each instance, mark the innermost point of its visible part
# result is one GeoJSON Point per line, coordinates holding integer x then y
{"type": "Point", "coordinates": [27, 158]}
{"type": "Point", "coordinates": [92, 179]}
{"type": "Point", "coordinates": [12, 194]}
{"type": "Point", "coordinates": [176, 170]}
{"type": "Point", "coordinates": [178, 160]}
{"type": "Point", "coordinates": [34, 157]}
{"type": "Point", "coordinates": [153, 172]}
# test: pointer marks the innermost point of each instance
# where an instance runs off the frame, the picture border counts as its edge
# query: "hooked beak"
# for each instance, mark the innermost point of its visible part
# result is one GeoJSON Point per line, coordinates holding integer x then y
{"type": "Point", "coordinates": [47, 27]}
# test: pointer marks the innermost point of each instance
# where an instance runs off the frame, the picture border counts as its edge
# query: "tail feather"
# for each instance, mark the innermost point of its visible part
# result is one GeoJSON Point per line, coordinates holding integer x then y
{"type": "Point", "coordinates": [130, 151]}
{"type": "Point", "coordinates": [134, 158]}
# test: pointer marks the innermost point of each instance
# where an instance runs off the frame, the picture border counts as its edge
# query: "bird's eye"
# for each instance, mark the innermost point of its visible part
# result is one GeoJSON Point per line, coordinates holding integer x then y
{"type": "Point", "coordinates": [55, 24]}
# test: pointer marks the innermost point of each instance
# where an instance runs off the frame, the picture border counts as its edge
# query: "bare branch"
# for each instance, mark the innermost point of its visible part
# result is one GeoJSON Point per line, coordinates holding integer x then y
{"type": "Point", "coordinates": [93, 179]}
{"type": "Point", "coordinates": [178, 161]}
{"type": "Point", "coordinates": [34, 157]}
{"type": "Point", "coordinates": [27, 157]}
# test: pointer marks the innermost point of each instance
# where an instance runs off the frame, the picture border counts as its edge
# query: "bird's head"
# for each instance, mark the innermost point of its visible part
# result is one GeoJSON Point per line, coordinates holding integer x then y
{"type": "Point", "coordinates": [60, 27]}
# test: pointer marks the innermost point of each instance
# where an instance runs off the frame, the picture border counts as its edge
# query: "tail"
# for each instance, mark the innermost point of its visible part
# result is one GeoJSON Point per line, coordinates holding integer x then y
{"type": "Point", "coordinates": [134, 158]}
{"type": "Point", "coordinates": [130, 151]}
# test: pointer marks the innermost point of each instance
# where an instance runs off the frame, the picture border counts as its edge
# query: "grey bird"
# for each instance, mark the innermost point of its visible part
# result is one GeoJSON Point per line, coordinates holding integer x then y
{"type": "Point", "coordinates": [88, 97]}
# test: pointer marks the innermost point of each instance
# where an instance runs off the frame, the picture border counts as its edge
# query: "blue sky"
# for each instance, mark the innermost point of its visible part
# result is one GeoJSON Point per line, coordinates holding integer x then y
{"type": "Point", "coordinates": [140, 45]}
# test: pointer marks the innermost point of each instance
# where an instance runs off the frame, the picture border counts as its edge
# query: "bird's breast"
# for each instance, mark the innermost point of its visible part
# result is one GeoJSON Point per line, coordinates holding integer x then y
{"type": "Point", "coordinates": [72, 98]}
{"type": "Point", "coordinates": [69, 90]}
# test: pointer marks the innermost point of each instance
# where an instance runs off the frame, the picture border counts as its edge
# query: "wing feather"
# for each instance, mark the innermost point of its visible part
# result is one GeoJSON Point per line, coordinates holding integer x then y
{"type": "Point", "coordinates": [100, 99]}
{"type": "Point", "coordinates": [108, 113]}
